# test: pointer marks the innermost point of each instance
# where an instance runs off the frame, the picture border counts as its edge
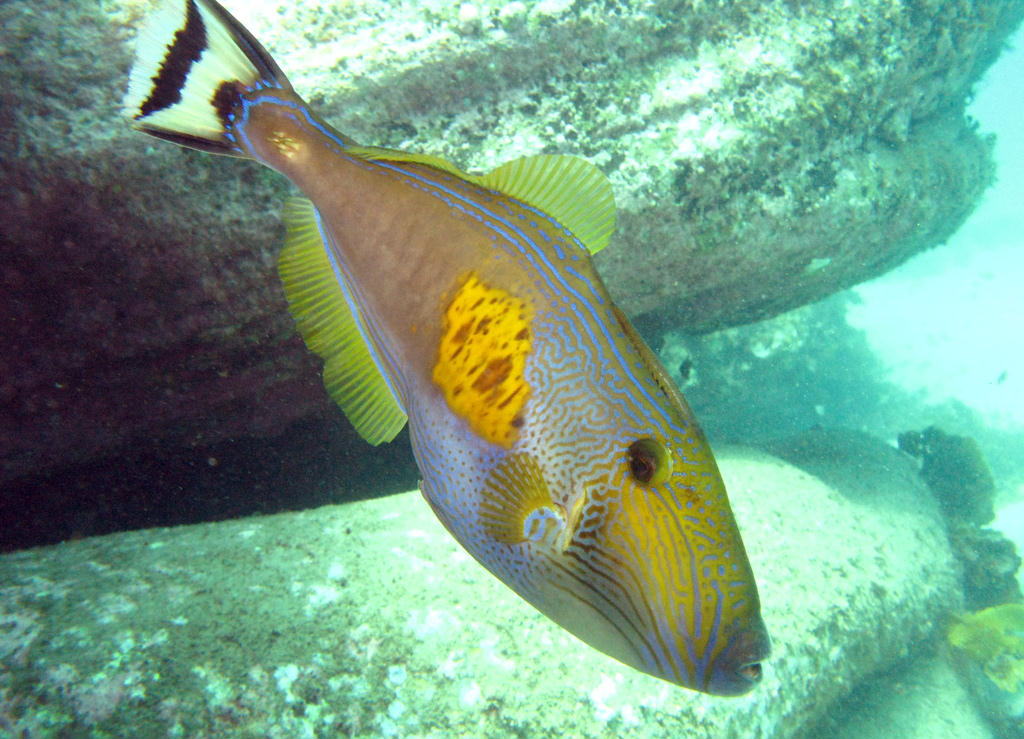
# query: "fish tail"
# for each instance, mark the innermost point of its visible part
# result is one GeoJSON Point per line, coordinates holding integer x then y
{"type": "Point", "coordinates": [193, 64]}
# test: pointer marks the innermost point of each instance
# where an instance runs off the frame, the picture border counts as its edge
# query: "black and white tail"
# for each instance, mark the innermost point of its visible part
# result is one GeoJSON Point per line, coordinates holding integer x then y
{"type": "Point", "coordinates": [193, 63]}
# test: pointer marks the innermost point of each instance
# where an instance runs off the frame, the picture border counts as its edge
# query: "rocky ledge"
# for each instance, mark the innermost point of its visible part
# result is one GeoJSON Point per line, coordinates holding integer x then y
{"type": "Point", "coordinates": [764, 154]}
{"type": "Point", "coordinates": [366, 619]}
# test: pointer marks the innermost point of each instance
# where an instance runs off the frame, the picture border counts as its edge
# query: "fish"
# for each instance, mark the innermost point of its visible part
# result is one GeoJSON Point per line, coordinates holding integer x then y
{"type": "Point", "coordinates": [550, 441]}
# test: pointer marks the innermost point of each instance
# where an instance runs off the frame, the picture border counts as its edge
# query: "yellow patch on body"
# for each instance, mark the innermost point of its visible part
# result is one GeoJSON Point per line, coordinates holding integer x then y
{"type": "Point", "coordinates": [480, 361]}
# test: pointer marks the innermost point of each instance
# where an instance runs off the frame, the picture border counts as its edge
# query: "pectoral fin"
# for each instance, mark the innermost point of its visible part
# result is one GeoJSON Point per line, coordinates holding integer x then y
{"type": "Point", "coordinates": [516, 504]}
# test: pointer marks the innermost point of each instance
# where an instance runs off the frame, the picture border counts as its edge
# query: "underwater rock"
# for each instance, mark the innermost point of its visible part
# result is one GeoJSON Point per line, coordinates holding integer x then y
{"type": "Point", "coordinates": [921, 698]}
{"type": "Point", "coordinates": [955, 470]}
{"type": "Point", "coordinates": [762, 157]}
{"type": "Point", "coordinates": [830, 455]}
{"type": "Point", "coordinates": [989, 562]}
{"type": "Point", "coordinates": [368, 620]}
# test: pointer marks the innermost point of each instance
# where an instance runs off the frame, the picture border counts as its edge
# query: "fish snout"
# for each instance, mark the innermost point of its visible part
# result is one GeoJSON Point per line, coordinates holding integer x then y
{"type": "Point", "coordinates": [738, 668]}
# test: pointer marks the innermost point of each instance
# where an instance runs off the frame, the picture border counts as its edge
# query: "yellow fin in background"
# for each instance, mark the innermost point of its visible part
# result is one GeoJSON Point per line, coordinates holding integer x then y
{"type": "Point", "coordinates": [569, 189]}
{"type": "Point", "coordinates": [320, 304]}
{"type": "Point", "coordinates": [516, 504]}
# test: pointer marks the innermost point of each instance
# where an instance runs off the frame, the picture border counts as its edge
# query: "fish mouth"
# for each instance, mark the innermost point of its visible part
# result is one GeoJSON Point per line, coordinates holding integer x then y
{"type": "Point", "coordinates": [737, 670]}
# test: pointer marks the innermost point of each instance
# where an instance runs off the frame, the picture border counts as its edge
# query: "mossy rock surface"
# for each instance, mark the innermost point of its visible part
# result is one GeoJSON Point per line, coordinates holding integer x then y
{"type": "Point", "coordinates": [368, 620]}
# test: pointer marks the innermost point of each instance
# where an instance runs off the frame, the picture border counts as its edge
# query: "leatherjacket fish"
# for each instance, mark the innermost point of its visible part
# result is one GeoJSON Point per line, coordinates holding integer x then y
{"type": "Point", "coordinates": [551, 442]}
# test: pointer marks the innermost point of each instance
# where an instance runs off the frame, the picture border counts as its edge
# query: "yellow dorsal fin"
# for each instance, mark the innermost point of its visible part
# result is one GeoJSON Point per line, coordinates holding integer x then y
{"type": "Point", "coordinates": [569, 189]}
{"type": "Point", "coordinates": [516, 504]}
{"type": "Point", "coordinates": [330, 326]}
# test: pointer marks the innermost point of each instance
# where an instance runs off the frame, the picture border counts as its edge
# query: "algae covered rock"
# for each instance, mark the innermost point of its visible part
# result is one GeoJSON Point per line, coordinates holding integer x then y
{"type": "Point", "coordinates": [763, 155]}
{"type": "Point", "coordinates": [988, 562]}
{"type": "Point", "coordinates": [955, 470]}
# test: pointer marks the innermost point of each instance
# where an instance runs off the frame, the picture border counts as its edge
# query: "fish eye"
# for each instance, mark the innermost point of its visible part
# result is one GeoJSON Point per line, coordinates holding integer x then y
{"type": "Point", "coordinates": [649, 461]}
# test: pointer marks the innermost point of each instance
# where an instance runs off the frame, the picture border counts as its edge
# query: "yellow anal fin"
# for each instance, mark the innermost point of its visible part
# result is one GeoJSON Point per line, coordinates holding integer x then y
{"type": "Point", "coordinates": [516, 504]}
{"type": "Point", "coordinates": [331, 327]}
{"type": "Point", "coordinates": [569, 189]}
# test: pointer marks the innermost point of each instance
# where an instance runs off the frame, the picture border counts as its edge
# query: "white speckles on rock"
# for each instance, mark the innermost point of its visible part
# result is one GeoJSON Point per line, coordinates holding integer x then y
{"type": "Point", "coordinates": [285, 677]}
{"type": "Point", "coordinates": [430, 621]}
{"type": "Point", "coordinates": [410, 561]}
{"type": "Point", "coordinates": [459, 556]}
{"type": "Point", "coordinates": [599, 697]}
{"type": "Point", "coordinates": [450, 667]}
{"type": "Point", "coordinates": [512, 16]}
{"type": "Point", "coordinates": [336, 572]}
{"type": "Point", "coordinates": [682, 81]}
{"type": "Point", "coordinates": [551, 8]}
{"type": "Point", "coordinates": [469, 694]}
{"type": "Point", "coordinates": [113, 606]}
{"type": "Point", "coordinates": [493, 650]}
{"type": "Point", "coordinates": [397, 674]}
{"type": "Point", "coordinates": [158, 637]}
{"type": "Point", "coordinates": [321, 595]}
{"type": "Point", "coordinates": [469, 18]}
{"type": "Point", "coordinates": [629, 715]}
